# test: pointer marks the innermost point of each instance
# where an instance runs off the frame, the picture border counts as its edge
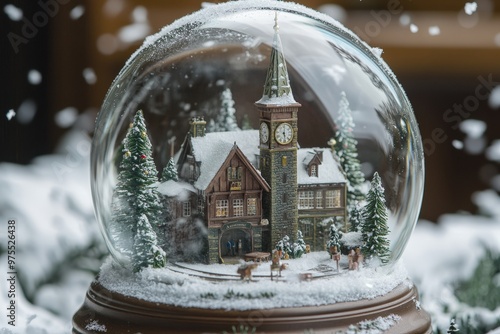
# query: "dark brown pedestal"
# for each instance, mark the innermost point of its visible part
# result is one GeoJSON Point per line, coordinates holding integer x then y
{"type": "Point", "coordinates": [123, 314]}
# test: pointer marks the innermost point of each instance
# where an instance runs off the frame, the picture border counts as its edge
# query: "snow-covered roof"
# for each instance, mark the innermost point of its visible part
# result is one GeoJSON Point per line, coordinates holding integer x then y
{"type": "Point", "coordinates": [177, 189]}
{"type": "Point", "coordinates": [328, 172]}
{"type": "Point", "coordinates": [283, 100]}
{"type": "Point", "coordinates": [212, 150]}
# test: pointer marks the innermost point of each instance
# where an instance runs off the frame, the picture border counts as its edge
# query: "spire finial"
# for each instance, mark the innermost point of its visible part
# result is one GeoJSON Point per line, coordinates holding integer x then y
{"type": "Point", "coordinates": [276, 26]}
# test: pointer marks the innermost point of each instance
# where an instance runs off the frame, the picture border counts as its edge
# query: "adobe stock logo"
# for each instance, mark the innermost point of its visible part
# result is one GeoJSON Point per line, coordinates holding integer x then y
{"type": "Point", "coordinates": [460, 112]}
{"type": "Point", "coordinates": [381, 20]}
{"type": "Point", "coordinates": [29, 30]}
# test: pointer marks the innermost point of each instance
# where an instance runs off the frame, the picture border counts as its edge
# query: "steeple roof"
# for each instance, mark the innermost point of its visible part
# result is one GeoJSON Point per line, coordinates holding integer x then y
{"type": "Point", "coordinates": [277, 88]}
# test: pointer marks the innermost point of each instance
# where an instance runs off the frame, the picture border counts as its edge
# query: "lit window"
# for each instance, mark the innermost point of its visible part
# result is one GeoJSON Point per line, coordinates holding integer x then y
{"type": "Point", "coordinates": [221, 206]}
{"type": "Point", "coordinates": [251, 206]}
{"type": "Point", "coordinates": [319, 199]}
{"type": "Point", "coordinates": [332, 198]}
{"type": "Point", "coordinates": [238, 207]}
{"type": "Point", "coordinates": [186, 209]}
{"type": "Point", "coordinates": [283, 161]}
{"type": "Point", "coordinates": [314, 170]}
{"type": "Point", "coordinates": [306, 199]}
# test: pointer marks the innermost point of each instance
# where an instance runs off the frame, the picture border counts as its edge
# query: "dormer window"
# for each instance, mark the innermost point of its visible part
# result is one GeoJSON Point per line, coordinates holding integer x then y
{"type": "Point", "coordinates": [313, 171]}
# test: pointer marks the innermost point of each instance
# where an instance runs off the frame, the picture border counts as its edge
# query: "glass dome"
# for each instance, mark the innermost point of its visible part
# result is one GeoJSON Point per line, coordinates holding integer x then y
{"type": "Point", "coordinates": [186, 76]}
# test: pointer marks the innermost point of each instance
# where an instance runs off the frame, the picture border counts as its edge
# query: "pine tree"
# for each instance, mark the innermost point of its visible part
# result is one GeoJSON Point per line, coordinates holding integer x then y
{"type": "Point", "coordinates": [245, 123]}
{"type": "Point", "coordinates": [355, 217]}
{"type": "Point", "coordinates": [453, 327]}
{"type": "Point", "coordinates": [334, 238]}
{"type": "Point", "coordinates": [146, 251]}
{"type": "Point", "coordinates": [284, 245]}
{"type": "Point", "coordinates": [226, 119]}
{"type": "Point", "coordinates": [346, 149]}
{"type": "Point", "coordinates": [299, 246]}
{"type": "Point", "coordinates": [375, 229]}
{"type": "Point", "coordinates": [135, 194]}
{"type": "Point", "coordinates": [169, 172]}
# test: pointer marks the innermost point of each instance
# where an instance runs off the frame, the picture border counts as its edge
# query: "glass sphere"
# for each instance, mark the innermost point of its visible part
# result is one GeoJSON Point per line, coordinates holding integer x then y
{"type": "Point", "coordinates": [183, 71]}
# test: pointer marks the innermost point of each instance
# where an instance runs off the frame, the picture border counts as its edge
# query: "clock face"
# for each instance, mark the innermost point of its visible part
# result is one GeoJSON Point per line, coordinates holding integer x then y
{"type": "Point", "coordinates": [264, 133]}
{"type": "Point", "coordinates": [284, 133]}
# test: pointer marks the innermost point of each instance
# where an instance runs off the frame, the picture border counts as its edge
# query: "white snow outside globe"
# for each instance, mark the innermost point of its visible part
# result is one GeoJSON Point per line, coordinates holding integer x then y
{"type": "Point", "coordinates": [258, 131]}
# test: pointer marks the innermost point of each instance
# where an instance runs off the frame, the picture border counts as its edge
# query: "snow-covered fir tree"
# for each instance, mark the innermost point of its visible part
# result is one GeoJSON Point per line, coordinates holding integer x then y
{"type": "Point", "coordinates": [334, 238]}
{"type": "Point", "coordinates": [453, 327]}
{"type": "Point", "coordinates": [135, 195]}
{"type": "Point", "coordinates": [284, 245]}
{"type": "Point", "coordinates": [299, 246]}
{"type": "Point", "coordinates": [226, 118]}
{"type": "Point", "coordinates": [146, 253]}
{"type": "Point", "coordinates": [347, 151]}
{"type": "Point", "coordinates": [375, 229]}
{"type": "Point", "coordinates": [169, 172]}
{"type": "Point", "coordinates": [355, 217]}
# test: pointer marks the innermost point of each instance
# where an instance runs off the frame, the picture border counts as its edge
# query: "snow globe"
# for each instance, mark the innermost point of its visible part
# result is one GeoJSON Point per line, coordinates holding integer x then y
{"type": "Point", "coordinates": [244, 153]}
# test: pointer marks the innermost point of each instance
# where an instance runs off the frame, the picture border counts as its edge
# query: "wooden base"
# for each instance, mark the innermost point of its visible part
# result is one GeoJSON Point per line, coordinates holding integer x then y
{"type": "Point", "coordinates": [123, 314]}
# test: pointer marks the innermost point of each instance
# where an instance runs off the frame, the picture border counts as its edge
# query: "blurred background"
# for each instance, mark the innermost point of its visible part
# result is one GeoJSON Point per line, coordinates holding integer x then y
{"type": "Point", "coordinates": [59, 57]}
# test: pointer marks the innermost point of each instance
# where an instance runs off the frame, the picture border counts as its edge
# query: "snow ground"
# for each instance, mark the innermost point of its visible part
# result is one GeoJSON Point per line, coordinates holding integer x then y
{"type": "Point", "coordinates": [55, 219]}
{"type": "Point", "coordinates": [180, 289]}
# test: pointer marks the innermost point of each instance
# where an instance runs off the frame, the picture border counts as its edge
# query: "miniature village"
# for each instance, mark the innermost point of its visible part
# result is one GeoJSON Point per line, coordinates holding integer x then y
{"type": "Point", "coordinates": [251, 200]}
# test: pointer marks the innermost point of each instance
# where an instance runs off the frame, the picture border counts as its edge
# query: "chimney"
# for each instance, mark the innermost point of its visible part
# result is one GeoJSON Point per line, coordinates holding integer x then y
{"type": "Point", "coordinates": [197, 126]}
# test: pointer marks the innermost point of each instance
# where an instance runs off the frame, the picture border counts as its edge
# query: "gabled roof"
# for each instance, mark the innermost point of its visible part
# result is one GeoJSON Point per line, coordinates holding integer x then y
{"type": "Point", "coordinates": [211, 151]}
{"type": "Point", "coordinates": [251, 168]}
{"type": "Point", "coordinates": [328, 172]}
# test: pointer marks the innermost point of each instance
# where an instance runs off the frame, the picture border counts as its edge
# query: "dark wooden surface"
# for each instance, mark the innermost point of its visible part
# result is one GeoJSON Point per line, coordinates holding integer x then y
{"type": "Point", "coordinates": [122, 314]}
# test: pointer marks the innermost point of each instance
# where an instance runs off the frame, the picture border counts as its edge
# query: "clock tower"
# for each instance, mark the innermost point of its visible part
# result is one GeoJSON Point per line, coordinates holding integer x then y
{"type": "Point", "coordinates": [278, 147]}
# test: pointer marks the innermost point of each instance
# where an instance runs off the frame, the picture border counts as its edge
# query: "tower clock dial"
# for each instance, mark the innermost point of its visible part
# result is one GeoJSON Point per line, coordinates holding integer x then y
{"type": "Point", "coordinates": [284, 133]}
{"type": "Point", "coordinates": [264, 133]}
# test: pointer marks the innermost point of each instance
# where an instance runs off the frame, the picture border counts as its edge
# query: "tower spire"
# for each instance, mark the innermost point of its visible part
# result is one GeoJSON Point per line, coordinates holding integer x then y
{"type": "Point", "coordinates": [277, 84]}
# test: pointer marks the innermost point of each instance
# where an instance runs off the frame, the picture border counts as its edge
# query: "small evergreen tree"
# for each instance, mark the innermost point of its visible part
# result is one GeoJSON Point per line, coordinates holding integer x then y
{"type": "Point", "coordinates": [226, 118]}
{"type": "Point", "coordinates": [299, 246]}
{"type": "Point", "coordinates": [334, 238]}
{"type": "Point", "coordinates": [245, 124]}
{"type": "Point", "coordinates": [347, 151]}
{"type": "Point", "coordinates": [169, 172]}
{"type": "Point", "coordinates": [375, 229]}
{"type": "Point", "coordinates": [453, 327]}
{"type": "Point", "coordinates": [284, 245]}
{"type": "Point", "coordinates": [355, 217]}
{"type": "Point", "coordinates": [146, 251]}
{"type": "Point", "coordinates": [135, 194]}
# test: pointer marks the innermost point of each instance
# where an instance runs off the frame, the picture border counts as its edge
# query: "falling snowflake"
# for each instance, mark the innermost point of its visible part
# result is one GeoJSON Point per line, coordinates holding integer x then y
{"type": "Point", "coordinates": [413, 28]}
{"type": "Point", "coordinates": [77, 12]}
{"type": "Point", "coordinates": [470, 8]}
{"type": "Point", "coordinates": [89, 76]}
{"type": "Point", "coordinates": [434, 30]}
{"type": "Point", "coordinates": [11, 113]}
{"type": "Point", "coordinates": [14, 13]}
{"type": "Point", "coordinates": [457, 144]}
{"type": "Point", "coordinates": [34, 77]}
